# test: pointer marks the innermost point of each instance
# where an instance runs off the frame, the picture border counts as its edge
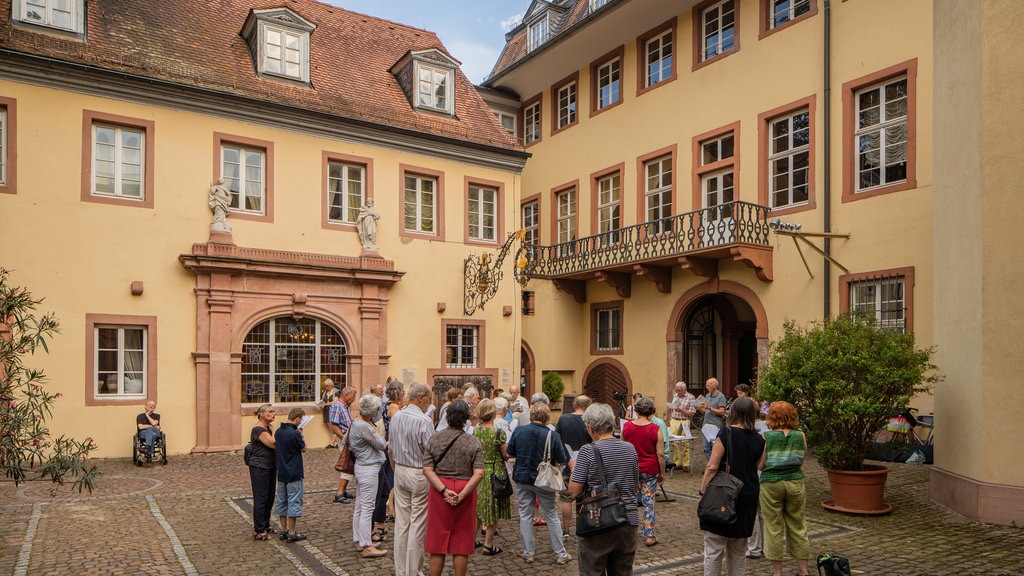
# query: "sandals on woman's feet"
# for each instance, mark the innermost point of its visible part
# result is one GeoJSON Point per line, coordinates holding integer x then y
{"type": "Point", "coordinates": [260, 536]}
{"type": "Point", "coordinates": [379, 535]}
{"type": "Point", "coordinates": [652, 541]}
{"type": "Point", "coordinates": [491, 550]}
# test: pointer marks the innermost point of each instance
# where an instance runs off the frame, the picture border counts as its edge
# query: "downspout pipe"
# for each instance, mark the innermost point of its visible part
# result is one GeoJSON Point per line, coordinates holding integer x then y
{"type": "Point", "coordinates": [826, 277]}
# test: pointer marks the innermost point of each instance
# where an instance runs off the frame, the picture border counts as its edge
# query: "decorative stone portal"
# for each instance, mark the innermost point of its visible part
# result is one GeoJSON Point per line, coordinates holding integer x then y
{"type": "Point", "coordinates": [238, 288]}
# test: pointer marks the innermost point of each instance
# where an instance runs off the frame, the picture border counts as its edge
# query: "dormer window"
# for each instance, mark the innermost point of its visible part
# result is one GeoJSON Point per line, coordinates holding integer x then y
{"type": "Point", "coordinates": [427, 77]}
{"type": "Point", "coordinates": [60, 14]}
{"type": "Point", "coordinates": [279, 43]}
{"type": "Point", "coordinates": [537, 34]}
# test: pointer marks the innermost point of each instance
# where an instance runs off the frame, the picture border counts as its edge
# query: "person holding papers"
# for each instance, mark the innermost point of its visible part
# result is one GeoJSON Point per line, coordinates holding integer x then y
{"type": "Point", "coordinates": [713, 409]}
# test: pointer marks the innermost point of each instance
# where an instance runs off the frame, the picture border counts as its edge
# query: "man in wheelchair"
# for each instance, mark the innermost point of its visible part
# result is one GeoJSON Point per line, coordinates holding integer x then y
{"type": "Point", "coordinates": [149, 428]}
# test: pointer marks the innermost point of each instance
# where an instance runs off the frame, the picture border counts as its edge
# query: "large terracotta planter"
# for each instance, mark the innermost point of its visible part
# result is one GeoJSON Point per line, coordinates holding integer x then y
{"type": "Point", "coordinates": [858, 491]}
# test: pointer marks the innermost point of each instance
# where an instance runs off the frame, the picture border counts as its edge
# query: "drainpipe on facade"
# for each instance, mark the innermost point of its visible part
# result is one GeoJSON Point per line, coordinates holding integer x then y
{"type": "Point", "coordinates": [826, 278]}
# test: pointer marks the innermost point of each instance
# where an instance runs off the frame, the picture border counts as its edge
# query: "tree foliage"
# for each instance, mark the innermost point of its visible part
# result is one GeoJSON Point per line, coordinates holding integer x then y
{"type": "Point", "coordinates": [27, 451]}
{"type": "Point", "coordinates": [553, 386]}
{"type": "Point", "coordinates": [846, 377]}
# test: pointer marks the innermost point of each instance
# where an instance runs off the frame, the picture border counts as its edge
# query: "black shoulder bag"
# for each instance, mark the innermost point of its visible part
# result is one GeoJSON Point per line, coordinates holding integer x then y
{"type": "Point", "coordinates": [718, 505]}
{"type": "Point", "coordinates": [602, 511]}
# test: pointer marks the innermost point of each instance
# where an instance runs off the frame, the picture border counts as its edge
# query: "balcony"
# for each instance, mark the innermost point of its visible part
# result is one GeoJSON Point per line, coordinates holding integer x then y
{"type": "Point", "coordinates": [696, 241]}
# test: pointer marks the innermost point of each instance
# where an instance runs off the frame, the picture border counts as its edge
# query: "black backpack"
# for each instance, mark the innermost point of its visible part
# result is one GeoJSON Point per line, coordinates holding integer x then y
{"type": "Point", "coordinates": [833, 565]}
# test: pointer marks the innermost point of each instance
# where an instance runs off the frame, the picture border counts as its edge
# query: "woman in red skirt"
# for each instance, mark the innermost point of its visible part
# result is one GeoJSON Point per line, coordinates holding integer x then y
{"type": "Point", "coordinates": [453, 464]}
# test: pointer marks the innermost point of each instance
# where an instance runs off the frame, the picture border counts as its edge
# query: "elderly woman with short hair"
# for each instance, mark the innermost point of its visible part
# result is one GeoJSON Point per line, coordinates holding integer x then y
{"type": "Point", "coordinates": [609, 552]}
{"type": "Point", "coordinates": [367, 447]}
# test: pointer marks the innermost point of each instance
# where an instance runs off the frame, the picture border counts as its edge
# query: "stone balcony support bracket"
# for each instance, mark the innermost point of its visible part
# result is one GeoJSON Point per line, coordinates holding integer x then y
{"type": "Point", "coordinates": [622, 282]}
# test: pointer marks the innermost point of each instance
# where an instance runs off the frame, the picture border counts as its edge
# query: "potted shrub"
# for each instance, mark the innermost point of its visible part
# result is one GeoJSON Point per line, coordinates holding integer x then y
{"type": "Point", "coordinates": [553, 386]}
{"type": "Point", "coordinates": [846, 376]}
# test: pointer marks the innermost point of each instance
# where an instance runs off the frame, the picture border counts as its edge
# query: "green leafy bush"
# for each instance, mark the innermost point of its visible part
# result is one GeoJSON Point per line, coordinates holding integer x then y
{"type": "Point", "coordinates": [553, 386]}
{"type": "Point", "coordinates": [846, 377]}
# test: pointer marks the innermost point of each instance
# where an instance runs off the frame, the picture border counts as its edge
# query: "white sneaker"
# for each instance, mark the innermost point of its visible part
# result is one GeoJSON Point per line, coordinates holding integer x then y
{"type": "Point", "coordinates": [563, 560]}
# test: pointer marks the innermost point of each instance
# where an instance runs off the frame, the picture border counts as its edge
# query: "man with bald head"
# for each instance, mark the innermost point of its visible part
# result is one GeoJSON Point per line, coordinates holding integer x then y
{"type": "Point", "coordinates": [714, 411]}
{"type": "Point", "coordinates": [409, 432]}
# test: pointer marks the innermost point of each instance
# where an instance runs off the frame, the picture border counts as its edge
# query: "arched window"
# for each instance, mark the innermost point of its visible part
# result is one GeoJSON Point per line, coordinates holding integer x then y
{"type": "Point", "coordinates": [701, 340]}
{"type": "Point", "coordinates": [287, 360]}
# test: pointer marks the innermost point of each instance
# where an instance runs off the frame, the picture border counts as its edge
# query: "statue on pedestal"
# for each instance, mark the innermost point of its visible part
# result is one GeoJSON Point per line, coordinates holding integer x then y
{"type": "Point", "coordinates": [366, 224]}
{"type": "Point", "coordinates": [220, 203]}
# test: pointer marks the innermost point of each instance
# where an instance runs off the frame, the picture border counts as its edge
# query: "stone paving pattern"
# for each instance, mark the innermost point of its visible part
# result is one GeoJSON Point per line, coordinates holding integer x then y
{"type": "Point", "coordinates": [192, 517]}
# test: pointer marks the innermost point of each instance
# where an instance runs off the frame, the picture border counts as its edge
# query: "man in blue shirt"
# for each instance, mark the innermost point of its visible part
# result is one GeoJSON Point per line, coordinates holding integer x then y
{"type": "Point", "coordinates": [289, 446]}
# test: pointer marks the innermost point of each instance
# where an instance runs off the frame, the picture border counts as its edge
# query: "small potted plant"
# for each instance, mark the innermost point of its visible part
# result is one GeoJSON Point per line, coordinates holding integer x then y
{"type": "Point", "coordinates": [847, 376]}
{"type": "Point", "coordinates": [553, 386]}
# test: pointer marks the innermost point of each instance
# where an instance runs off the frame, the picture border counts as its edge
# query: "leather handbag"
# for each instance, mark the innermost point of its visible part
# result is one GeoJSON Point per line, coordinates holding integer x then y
{"type": "Point", "coordinates": [549, 475]}
{"type": "Point", "coordinates": [602, 511]}
{"type": "Point", "coordinates": [501, 486]}
{"type": "Point", "coordinates": [718, 504]}
{"type": "Point", "coordinates": [346, 461]}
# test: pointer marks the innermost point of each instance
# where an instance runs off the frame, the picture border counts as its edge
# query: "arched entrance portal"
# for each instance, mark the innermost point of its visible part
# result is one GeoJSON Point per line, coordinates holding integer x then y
{"type": "Point", "coordinates": [717, 329]}
{"type": "Point", "coordinates": [607, 381]}
{"type": "Point", "coordinates": [527, 369]}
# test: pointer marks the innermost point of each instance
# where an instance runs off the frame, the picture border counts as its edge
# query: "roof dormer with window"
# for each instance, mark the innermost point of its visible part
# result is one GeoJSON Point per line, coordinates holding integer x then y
{"type": "Point", "coordinates": [545, 20]}
{"type": "Point", "coordinates": [278, 42]}
{"type": "Point", "coordinates": [427, 78]}
{"type": "Point", "coordinates": [62, 16]}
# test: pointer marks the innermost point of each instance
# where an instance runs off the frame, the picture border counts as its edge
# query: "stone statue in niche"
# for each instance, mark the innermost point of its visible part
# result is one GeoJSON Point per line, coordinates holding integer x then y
{"type": "Point", "coordinates": [366, 224]}
{"type": "Point", "coordinates": [220, 203]}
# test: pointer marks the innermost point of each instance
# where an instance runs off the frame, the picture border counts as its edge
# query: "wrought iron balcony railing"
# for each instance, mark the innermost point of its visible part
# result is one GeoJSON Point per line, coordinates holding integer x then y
{"type": "Point", "coordinates": [692, 232]}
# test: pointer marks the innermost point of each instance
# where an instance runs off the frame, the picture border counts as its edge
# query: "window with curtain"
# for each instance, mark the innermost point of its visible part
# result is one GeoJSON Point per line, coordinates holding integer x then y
{"type": "Point", "coordinates": [346, 187]}
{"type": "Point", "coordinates": [120, 358]}
{"type": "Point", "coordinates": [881, 134]}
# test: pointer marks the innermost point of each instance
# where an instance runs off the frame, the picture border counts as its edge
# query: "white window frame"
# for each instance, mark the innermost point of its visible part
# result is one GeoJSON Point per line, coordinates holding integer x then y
{"type": "Point", "coordinates": [567, 104]}
{"type": "Point", "coordinates": [658, 56]}
{"type": "Point", "coordinates": [316, 346]}
{"type": "Point", "coordinates": [595, 4]}
{"type": "Point", "coordinates": [424, 221]}
{"type": "Point", "coordinates": [713, 149]}
{"type": "Point", "coordinates": [608, 329]}
{"type": "Point", "coordinates": [3, 146]}
{"type": "Point", "coordinates": [722, 17]}
{"type": "Point", "coordinates": [27, 11]}
{"type": "Point", "coordinates": [481, 213]}
{"type": "Point", "coordinates": [531, 123]}
{"type": "Point", "coordinates": [537, 34]}
{"type": "Point", "coordinates": [239, 197]}
{"type": "Point", "coordinates": [462, 346]}
{"type": "Point", "coordinates": [566, 219]}
{"type": "Point", "coordinates": [782, 11]}
{"type": "Point", "coordinates": [530, 213]}
{"type": "Point", "coordinates": [339, 191]}
{"type": "Point", "coordinates": [875, 296]}
{"type": "Point", "coordinates": [121, 355]}
{"type": "Point", "coordinates": [658, 194]}
{"type": "Point", "coordinates": [886, 129]}
{"type": "Point", "coordinates": [609, 83]}
{"type": "Point", "coordinates": [609, 209]}
{"type": "Point", "coordinates": [507, 121]}
{"type": "Point", "coordinates": [435, 92]}
{"type": "Point", "coordinates": [788, 158]}
{"type": "Point", "coordinates": [118, 161]}
{"type": "Point", "coordinates": [299, 54]}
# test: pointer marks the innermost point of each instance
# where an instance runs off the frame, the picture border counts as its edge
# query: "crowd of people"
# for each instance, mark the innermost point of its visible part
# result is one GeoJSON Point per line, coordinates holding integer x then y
{"type": "Point", "coordinates": [445, 480]}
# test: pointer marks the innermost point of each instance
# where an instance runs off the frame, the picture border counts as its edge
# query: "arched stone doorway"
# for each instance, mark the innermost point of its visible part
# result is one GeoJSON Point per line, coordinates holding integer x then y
{"type": "Point", "coordinates": [717, 329]}
{"type": "Point", "coordinates": [527, 370]}
{"type": "Point", "coordinates": [607, 380]}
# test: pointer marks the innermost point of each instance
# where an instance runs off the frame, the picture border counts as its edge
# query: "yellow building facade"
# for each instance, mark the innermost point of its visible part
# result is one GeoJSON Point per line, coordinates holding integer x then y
{"type": "Point", "coordinates": [116, 134]}
{"type": "Point", "coordinates": [692, 163]}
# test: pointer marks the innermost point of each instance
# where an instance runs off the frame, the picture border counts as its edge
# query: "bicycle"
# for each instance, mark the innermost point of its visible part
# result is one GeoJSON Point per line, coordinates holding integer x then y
{"type": "Point", "coordinates": [902, 429]}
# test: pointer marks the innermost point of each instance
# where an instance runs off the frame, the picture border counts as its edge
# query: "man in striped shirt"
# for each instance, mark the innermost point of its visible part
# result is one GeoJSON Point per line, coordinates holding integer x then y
{"type": "Point", "coordinates": [409, 432]}
{"type": "Point", "coordinates": [340, 417]}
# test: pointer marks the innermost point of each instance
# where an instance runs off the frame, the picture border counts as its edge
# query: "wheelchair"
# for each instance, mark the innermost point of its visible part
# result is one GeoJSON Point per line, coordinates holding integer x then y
{"type": "Point", "coordinates": [139, 455]}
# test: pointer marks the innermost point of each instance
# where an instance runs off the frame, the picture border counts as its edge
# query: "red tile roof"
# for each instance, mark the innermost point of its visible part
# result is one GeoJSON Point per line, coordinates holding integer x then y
{"type": "Point", "coordinates": [515, 45]}
{"type": "Point", "coordinates": [197, 43]}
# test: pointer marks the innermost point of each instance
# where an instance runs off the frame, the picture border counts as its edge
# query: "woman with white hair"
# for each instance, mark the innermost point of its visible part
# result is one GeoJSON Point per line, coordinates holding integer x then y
{"type": "Point", "coordinates": [367, 447]}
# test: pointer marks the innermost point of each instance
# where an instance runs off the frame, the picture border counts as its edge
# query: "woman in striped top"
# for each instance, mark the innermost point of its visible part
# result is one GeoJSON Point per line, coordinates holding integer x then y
{"type": "Point", "coordinates": [783, 493]}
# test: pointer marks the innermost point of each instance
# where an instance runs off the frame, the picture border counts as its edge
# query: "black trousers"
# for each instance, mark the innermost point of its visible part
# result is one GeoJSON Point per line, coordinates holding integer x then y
{"type": "Point", "coordinates": [264, 488]}
{"type": "Point", "coordinates": [385, 482]}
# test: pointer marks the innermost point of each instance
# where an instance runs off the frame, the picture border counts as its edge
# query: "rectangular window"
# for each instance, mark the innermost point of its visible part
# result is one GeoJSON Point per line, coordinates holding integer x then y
{"type": "Point", "coordinates": [717, 177]}
{"type": "Point", "coordinates": [658, 59]}
{"type": "Point", "coordinates": [120, 361]}
{"type": "Point", "coordinates": [508, 122]}
{"type": "Point", "coordinates": [566, 102]}
{"type": "Point", "coordinates": [658, 194]}
{"type": "Point", "coordinates": [346, 191]}
{"type": "Point", "coordinates": [595, 4]}
{"type": "Point", "coordinates": [63, 14]}
{"type": "Point", "coordinates": [566, 200]}
{"type": "Point", "coordinates": [420, 204]}
{"type": "Point", "coordinates": [531, 122]}
{"type": "Point", "coordinates": [118, 167]}
{"type": "Point", "coordinates": [537, 34]}
{"type": "Point", "coordinates": [881, 134]}
{"type": "Point", "coordinates": [433, 87]}
{"type": "Point", "coordinates": [783, 11]}
{"type": "Point", "coordinates": [609, 208]}
{"type": "Point", "coordinates": [243, 171]}
{"type": "Point", "coordinates": [716, 149]}
{"type": "Point", "coordinates": [462, 346]}
{"type": "Point", "coordinates": [531, 223]}
{"type": "Point", "coordinates": [882, 299]}
{"type": "Point", "coordinates": [481, 213]}
{"type": "Point", "coordinates": [609, 83]}
{"type": "Point", "coordinates": [606, 328]}
{"type": "Point", "coordinates": [718, 29]}
{"type": "Point", "coordinates": [3, 146]}
{"type": "Point", "coordinates": [283, 53]}
{"type": "Point", "coordinates": [789, 159]}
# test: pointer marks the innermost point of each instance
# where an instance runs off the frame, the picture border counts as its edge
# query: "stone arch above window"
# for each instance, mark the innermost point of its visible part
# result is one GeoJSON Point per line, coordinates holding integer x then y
{"type": "Point", "coordinates": [285, 359]}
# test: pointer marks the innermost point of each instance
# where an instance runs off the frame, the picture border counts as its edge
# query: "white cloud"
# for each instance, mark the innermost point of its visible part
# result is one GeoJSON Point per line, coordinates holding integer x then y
{"type": "Point", "coordinates": [511, 22]}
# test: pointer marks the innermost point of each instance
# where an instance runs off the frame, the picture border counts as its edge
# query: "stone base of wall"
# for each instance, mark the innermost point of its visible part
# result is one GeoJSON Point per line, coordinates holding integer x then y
{"type": "Point", "coordinates": [981, 501]}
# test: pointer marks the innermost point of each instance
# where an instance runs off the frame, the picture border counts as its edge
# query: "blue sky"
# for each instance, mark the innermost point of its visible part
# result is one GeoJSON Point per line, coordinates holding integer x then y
{"type": "Point", "coordinates": [472, 30]}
